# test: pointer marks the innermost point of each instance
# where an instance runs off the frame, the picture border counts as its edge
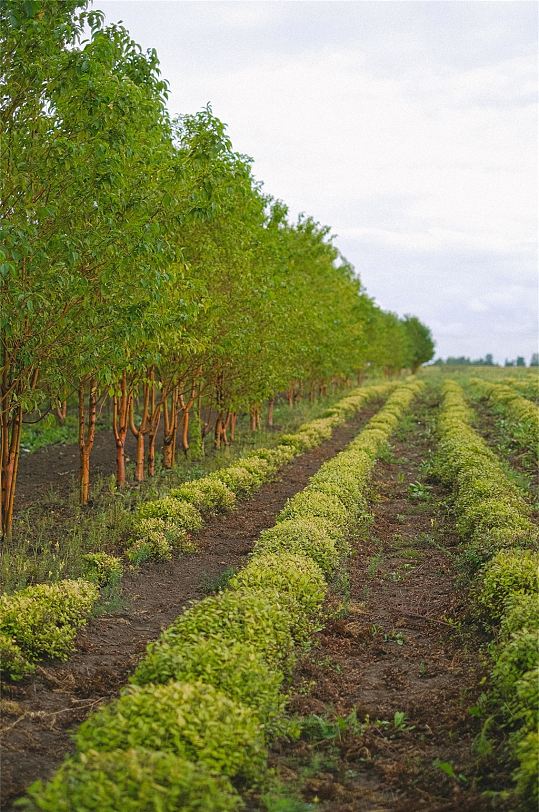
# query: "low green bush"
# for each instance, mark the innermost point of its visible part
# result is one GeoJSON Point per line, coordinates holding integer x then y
{"type": "Point", "coordinates": [491, 512]}
{"type": "Point", "coordinates": [206, 494]}
{"type": "Point", "coordinates": [303, 536]}
{"type": "Point", "coordinates": [519, 655]}
{"type": "Point", "coordinates": [43, 620]}
{"type": "Point", "coordinates": [507, 573]}
{"type": "Point", "coordinates": [526, 702]}
{"type": "Point", "coordinates": [236, 669]}
{"type": "Point", "coordinates": [521, 612]}
{"type": "Point", "coordinates": [13, 663]}
{"type": "Point", "coordinates": [294, 576]}
{"type": "Point", "coordinates": [525, 776]}
{"type": "Point", "coordinates": [238, 479]}
{"type": "Point", "coordinates": [276, 457]}
{"type": "Point", "coordinates": [520, 413]}
{"type": "Point", "coordinates": [191, 720]}
{"type": "Point", "coordinates": [258, 467]}
{"type": "Point", "coordinates": [157, 539]}
{"type": "Point", "coordinates": [240, 616]}
{"type": "Point", "coordinates": [155, 546]}
{"type": "Point", "coordinates": [176, 511]}
{"type": "Point", "coordinates": [311, 504]}
{"type": "Point", "coordinates": [103, 569]}
{"type": "Point", "coordinates": [133, 780]}
{"type": "Point", "coordinates": [345, 481]}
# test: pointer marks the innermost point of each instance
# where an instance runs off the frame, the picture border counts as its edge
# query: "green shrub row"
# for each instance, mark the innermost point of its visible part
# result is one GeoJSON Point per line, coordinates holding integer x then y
{"type": "Point", "coordinates": [162, 526]}
{"type": "Point", "coordinates": [491, 512]}
{"type": "Point", "coordinates": [502, 544]}
{"type": "Point", "coordinates": [42, 621]}
{"type": "Point", "coordinates": [521, 414]}
{"type": "Point", "coordinates": [192, 728]}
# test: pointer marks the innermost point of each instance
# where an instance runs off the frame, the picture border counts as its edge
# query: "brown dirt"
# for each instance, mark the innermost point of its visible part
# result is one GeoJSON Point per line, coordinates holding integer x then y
{"type": "Point", "coordinates": [406, 645]}
{"type": "Point", "coordinates": [39, 712]}
{"type": "Point", "coordinates": [57, 466]}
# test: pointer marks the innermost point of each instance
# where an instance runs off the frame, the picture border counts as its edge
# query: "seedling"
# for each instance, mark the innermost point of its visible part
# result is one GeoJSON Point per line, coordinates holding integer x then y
{"type": "Point", "coordinates": [400, 723]}
{"type": "Point", "coordinates": [419, 491]}
{"type": "Point", "coordinates": [374, 564]}
{"type": "Point", "coordinates": [449, 770]}
{"type": "Point", "coordinates": [320, 729]}
{"type": "Point", "coordinates": [395, 637]}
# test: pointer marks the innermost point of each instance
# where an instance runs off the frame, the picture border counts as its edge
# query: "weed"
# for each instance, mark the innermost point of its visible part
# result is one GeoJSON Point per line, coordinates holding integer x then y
{"type": "Point", "coordinates": [374, 564]}
{"type": "Point", "coordinates": [412, 553]}
{"type": "Point", "coordinates": [217, 583]}
{"type": "Point", "coordinates": [395, 637]}
{"type": "Point", "coordinates": [398, 724]}
{"type": "Point", "coordinates": [320, 729]}
{"type": "Point", "coordinates": [420, 491]}
{"type": "Point", "coordinates": [448, 769]}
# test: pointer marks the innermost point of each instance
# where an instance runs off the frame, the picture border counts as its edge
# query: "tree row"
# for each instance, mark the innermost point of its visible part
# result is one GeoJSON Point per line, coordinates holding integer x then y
{"type": "Point", "coordinates": [142, 261]}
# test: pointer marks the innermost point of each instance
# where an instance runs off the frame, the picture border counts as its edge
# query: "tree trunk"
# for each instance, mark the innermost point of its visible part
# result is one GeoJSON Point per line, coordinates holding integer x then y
{"type": "Point", "coordinates": [218, 431]}
{"type": "Point", "coordinates": [11, 416]}
{"type": "Point", "coordinates": [120, 424]}
{"type": "Point", "coordinates": [61, 411]}
{"type": "Point", "coordinates": [86, 436]}
{"type": "Point", "coordinates": [186, 409]}
{"type": "Point", "coordinates": [224, 428]}
{"type": "Point", "coordinates": [233, 422]}
{"type": "Point", "coordinates": [170, 421]}
{"type": "Point", "coordinates": [271, 405]}
{"type": "Point", "coordinates": [155, 419]}
{"type": "Point", "coordinates": [10, 452]}
{"type": "Point", "coordinates": [143, 428]}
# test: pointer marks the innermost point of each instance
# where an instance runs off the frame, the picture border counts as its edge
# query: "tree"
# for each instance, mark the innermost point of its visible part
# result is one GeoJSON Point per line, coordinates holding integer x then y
{"type": "Point", "coordinates": [420, 338]}
{"type": "Point", "coordinates": [83, 249]}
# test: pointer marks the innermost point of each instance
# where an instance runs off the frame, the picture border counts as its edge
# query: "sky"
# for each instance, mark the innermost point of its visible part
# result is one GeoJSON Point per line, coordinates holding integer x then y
{"type": "Point", "coordinates": [408, 127]}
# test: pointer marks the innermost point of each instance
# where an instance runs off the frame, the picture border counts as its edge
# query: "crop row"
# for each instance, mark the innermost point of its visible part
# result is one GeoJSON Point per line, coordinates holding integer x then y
{"type": "Point", "coordinates": [527, 386]}
{"type": "Point", "coordinates": [521, 413]}
{"type": "Point", "coordinates": [194, 725]}
{"type": "Point", "coordinates": [501, 541]}
{"type": "Point", "coordinates": [42, 621]}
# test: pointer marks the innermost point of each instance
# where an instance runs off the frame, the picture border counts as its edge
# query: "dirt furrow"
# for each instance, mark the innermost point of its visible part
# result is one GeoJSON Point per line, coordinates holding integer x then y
{"type": "Point", "coordinates": [385, 696]}
{"type": "Point", "coordinates": [37, 714]}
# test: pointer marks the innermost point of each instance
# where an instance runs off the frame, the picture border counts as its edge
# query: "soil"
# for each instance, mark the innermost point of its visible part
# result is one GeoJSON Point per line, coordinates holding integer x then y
{"type": "Point", "coordinates": [38, 713]}
{"type": "Point", "coordinates": [406, 645]}
{"type": "Point", "coordinates": [57, 466]}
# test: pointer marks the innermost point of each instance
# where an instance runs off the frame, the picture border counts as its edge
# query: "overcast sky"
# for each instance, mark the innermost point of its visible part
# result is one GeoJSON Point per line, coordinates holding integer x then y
{"type": "Point", "coordinates": [409, 127]}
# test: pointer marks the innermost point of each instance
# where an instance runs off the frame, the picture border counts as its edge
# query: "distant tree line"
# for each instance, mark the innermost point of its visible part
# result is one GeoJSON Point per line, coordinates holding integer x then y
{"type": "Point", "coordinates": [487, 361]}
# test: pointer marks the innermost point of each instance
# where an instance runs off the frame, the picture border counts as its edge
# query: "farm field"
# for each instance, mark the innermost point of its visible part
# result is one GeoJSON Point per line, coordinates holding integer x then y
{"type": "Point", "coordinates": [398, 701]}
{"type": "Point", "coordinates": [259, 550]}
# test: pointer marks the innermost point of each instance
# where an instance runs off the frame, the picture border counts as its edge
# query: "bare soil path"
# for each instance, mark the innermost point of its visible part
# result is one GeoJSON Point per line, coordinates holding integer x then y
{"type": "Point", "coordinates": [38, 713]}
{"type": "Point", "coordinates": [405, 654]}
